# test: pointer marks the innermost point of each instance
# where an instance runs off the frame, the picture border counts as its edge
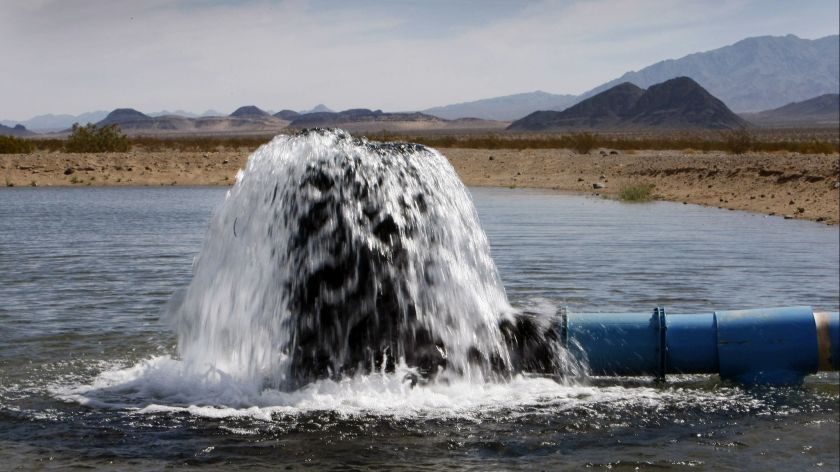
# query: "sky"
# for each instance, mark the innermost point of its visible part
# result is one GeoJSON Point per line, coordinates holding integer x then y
{"type": "Point", "coordinates": [63, 56]}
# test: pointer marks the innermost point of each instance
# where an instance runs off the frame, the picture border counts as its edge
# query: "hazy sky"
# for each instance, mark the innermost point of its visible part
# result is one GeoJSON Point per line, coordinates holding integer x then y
{"type": "Point", "coordinates": [72, 56]}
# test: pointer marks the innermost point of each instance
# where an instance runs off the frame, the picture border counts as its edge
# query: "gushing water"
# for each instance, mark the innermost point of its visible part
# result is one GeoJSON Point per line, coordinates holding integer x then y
{"type": "Point", "coordinates": [334, 255]}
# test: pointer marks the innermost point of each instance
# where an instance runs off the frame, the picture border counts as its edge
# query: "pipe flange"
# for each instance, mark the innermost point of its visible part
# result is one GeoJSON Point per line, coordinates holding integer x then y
{"type": "Point", "coordinates": [662, 352]}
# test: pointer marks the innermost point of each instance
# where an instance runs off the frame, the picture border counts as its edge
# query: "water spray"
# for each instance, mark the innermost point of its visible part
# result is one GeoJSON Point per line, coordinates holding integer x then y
{"type": "Point", "coordinates": [335, 256]}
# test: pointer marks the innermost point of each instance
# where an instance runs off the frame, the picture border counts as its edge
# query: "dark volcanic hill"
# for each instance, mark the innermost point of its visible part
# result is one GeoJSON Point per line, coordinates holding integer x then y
{"type": "Point", "coordinates": [605, 110]}
{"type": "Point", "coordinates": [288, 115]}
{"type": "Point", "coordinates": [679, 103]}
{"type": "Point", "coordinates": [818, 111]}
{"type": "Point", "coordinates": [249, 111]}
{"type": "Point", "coordinates": [683, 103]}
{"type": "Point", "coordinates": [125, 117]}
{"type": "Point", "coordinates": [16, 130]}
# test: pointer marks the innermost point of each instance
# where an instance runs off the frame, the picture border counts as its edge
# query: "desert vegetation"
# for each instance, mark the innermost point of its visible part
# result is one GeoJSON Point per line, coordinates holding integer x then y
{"type": "Point", "coordinates": [199, 143]}
{"type": "Point", "coordinates": [805, 141]}
{"type": "Point", "coordinates": [82, 139]}
{"type": "Point", "coordinates": [736, 142]}
{"type": "Point", "coordinates": [91, 138]}
{"type": "Point", "coordinates": [13, 145]}
{"type": "Point", "coordinates": [582, 143]}
{"type": "Point", "coordinates": [635, 193]}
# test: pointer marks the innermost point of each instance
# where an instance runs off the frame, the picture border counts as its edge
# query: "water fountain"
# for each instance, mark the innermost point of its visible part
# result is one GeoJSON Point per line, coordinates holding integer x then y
{"type": "Point", "coordinates": [334, 256]}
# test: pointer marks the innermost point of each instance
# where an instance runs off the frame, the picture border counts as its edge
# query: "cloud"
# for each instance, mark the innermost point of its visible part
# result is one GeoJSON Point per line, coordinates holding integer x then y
{"type": "Point", "coordinates": [160, 54]}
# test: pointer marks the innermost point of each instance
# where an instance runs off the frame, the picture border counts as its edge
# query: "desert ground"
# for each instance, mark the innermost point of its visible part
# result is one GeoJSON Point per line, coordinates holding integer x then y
{"type": "Point", "coordinates": [785, 184]}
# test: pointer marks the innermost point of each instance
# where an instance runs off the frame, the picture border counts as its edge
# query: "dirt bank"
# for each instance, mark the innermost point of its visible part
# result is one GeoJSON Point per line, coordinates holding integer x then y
{"type": "Point", "coordinates": [798, 186]}
{"type": "Point", "coordinates": [121, 169]}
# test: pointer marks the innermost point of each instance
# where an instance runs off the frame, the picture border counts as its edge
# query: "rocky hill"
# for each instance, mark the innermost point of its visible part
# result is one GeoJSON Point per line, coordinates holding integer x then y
{"type": "Point", "coordinates": [126, 118]}
{"type": "Point", "coordinates": [820, 111]}
{"type": "Point", "coordinates": [605, 110]}
{"type": "Point", "coordinates": [249, 111]}
{"type": "Point", "coordinates": [679, 103]}
{"type": "Point", "coordinates": [17, 130]}
{"type": "Point", "coordinates": [288, 115]}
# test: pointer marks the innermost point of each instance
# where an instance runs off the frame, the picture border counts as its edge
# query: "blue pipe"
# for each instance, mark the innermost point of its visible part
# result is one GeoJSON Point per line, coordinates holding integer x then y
{"type": "Point", "coordinates": [773, 346]}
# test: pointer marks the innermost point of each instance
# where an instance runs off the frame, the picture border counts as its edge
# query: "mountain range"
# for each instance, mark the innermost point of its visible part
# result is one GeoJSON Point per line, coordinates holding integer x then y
{"type": "Point", "coordinates": [818, 111]}
{"type": "Point", "coordinates": [57, 123]}
{"type": "Point", "coordinates": [678, 103]}
{"type": "Point", "coordinates": [50, 122]}
{"type": "Point", "coordinates": [251, 119]}
{"type": "Point", "coordinates": [761, 73]}
{"type": "Point", "coordinates": [507, 108]}
{"type": "Point", "coordinates": [244, 120]}
{"type": "Point", "coordinates": [16, 131]}
{"type": "Point", "coordinates": [753, 74]}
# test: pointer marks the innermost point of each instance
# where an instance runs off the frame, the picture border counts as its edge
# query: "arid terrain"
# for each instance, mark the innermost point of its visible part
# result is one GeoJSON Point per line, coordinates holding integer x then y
{"type": "Point", "coordinates": [785, 184]}
{"type": "Point", "coordinates": [798, 186]}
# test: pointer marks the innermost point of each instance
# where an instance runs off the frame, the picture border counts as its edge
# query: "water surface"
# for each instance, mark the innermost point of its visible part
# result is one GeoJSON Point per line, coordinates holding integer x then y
{"type": "Point", "coordinates": [84, 274]}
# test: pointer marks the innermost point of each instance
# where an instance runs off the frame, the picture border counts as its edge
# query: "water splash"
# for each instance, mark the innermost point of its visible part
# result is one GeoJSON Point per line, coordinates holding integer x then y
{"type": "Point", "coordinates": [333, 255]}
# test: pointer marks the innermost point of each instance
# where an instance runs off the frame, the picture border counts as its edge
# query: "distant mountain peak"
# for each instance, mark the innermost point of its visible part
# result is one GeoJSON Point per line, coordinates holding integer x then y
{"type": "Point", "coordinates": [505, 108]}
{"type": "Point", "coordinates": [249, 111]}
{"type": "Point", "coordinates": [124, 115]}
{"type": "Point", "coordinates": [676, 103]}
{"type": "Point", "coordinates": [823, 110]}
{"type": "Point", "coordinates": [319, 108]}
{"type": "Point", "coordinates": [16, 130]}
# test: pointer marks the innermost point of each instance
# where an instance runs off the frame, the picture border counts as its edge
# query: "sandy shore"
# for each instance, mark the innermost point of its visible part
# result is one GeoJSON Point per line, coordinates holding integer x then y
{"type": "Point", "coordinates": [792, 185]}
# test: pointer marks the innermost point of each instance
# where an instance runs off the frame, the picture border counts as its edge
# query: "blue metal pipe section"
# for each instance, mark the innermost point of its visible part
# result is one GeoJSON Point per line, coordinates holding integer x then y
{"type": "Point", "coordinates": [773, 346]}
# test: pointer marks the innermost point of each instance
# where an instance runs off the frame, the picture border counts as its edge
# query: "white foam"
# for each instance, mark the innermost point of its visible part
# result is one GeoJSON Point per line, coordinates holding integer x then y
{"type": "Point", "coordinates": [164, 385]}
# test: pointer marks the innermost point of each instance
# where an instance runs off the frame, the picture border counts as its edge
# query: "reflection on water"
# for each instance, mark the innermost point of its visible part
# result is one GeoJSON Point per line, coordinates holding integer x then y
{"type": "Point", "coordinates": [84, 274]}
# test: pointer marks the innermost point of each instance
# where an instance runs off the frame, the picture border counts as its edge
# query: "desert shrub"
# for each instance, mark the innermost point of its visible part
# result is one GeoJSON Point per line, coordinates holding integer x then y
{"type": "Point", "coordinates": [199, 143]}
{"type": "Point", "coordinates": [91, 138]}
{"type": "Point", "coordinates": [13, 145]}
{"type": "Point", "coordinates": [582, 143]}
{"type": "Point", "coordinates": [635, 193]}
{"type": "Point", "coordinates": [738, 141]}
{"type": "Point", "coordinates": [51, 145]}
{"type": "Point", "coordinates": [818, 147]}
